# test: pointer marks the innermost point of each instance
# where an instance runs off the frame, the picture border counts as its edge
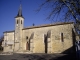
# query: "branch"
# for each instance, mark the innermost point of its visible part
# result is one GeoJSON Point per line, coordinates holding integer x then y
{"type": "Point", "coordinates": [70, 10]}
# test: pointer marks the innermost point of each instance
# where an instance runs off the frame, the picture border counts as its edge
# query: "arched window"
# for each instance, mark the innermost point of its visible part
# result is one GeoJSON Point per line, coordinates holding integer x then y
{"type": "Point", "coordinates": [62, 37]}
{"type": "Point", "coordinates": [17, 21]}
{"type": "Point", "coordinates": [26, 37]}
{"type": "Point", "coordinates": [21, 21]}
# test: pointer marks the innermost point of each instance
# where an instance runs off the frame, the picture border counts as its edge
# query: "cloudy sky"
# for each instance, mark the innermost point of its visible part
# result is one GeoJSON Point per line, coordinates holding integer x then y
{"type": "Point", "coordinates": [9, 9]}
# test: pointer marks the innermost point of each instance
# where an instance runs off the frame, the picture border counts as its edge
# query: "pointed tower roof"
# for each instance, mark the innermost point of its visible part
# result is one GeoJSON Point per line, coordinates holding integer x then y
{"type": "Point", "coordinates": [19, 12]}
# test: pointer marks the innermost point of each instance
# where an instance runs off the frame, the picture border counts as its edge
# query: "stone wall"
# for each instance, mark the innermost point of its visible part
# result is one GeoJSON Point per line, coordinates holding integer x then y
{"type": "Point", "coordinates": [57, 45]}
{"type": "Point", "coordinates": [8, 41]}
{"type": "Point", "coordinates": [54, 42]}
{"type": "Point", "coordinates": [48, 39]}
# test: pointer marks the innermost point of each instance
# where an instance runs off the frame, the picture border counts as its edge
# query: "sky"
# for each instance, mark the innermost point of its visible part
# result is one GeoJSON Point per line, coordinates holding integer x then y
{"type": "Point", "coordinates": [9, 9]}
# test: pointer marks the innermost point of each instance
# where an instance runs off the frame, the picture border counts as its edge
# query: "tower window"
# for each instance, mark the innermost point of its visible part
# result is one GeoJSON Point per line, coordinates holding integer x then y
{"type": "Point", "coordinates": [26, 37]}
{"type": "Point", "coordinates": [17, 21]}
{"type": "Point", "coordinates": [62, 37]}
{"type": "Point", "coordinates": [21, 21]}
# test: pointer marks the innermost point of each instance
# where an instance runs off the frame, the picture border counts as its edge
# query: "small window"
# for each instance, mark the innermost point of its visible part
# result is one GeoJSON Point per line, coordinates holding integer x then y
{"type": "Point", "coordinates": [26, 37]}
{"type": "Point", "coordinates": [21, 21]}
{"type": "Point", "coordinates": [62, 37]}
{"type": "Point", "coordinates": [17, 21]}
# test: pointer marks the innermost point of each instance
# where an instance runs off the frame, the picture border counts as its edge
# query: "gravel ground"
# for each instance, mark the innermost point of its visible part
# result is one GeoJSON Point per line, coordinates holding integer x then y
{"type": "Point", "coordinates": [17, 56]}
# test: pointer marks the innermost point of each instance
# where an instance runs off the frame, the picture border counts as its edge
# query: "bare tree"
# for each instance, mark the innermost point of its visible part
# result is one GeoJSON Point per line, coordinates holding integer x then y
{"type": "Point", "coordinates": [1, 40]}
{"type": "Point", "coordinates": [65, 10]}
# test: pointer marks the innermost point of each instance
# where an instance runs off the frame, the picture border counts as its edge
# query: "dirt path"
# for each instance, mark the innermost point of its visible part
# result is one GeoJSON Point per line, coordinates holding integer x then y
{"type": "Point", "coordinates": [37, 57]}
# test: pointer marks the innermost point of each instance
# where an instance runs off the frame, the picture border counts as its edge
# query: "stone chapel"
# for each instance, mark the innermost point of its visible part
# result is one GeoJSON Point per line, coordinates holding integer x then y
{"type": "Point", "coordinates": [49, 38]}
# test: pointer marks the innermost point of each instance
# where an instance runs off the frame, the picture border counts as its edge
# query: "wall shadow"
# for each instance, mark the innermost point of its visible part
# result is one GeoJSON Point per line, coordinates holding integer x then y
{"type": "Point", "coordinates": [70, 53]}
{"type": "Point", "coordinates": [45, 42]}
{"type": "Point", "coordinates": [65, 57]}
{"type": "Point", "coordinates": [71, 50]}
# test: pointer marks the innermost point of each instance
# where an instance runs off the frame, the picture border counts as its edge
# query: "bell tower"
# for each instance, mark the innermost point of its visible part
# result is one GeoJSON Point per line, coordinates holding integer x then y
{"type": "Point", "coordinates": [19, 22]}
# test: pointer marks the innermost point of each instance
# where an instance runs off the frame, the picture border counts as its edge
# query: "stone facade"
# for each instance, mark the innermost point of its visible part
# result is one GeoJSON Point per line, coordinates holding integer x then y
{"type": "Point", "coordinates": [52, 43]}
{"type": "Point", "coordinates": [51, 38]}
{"type": "Point", "coordinates": [8, 42]}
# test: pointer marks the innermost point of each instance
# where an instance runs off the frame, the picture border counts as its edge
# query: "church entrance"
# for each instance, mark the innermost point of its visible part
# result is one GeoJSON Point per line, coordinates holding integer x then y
{"type": "Point", "coordinates": [27, 46]}
{"type": "Point", "coordinates": [46, 44]}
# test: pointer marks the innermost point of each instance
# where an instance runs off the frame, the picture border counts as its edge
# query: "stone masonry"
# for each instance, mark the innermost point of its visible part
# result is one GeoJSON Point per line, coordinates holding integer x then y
{"type": "Point", "coordinates": [50, 38]}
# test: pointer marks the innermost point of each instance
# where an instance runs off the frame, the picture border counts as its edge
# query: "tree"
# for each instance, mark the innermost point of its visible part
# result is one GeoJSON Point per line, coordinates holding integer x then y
{"type": "Point", "coordinates": [1, 40]}
{"type": "Point", "coordinates": [65, 10]}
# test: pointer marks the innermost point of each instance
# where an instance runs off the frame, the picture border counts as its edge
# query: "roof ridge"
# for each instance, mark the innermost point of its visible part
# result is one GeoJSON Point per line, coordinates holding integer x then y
{"type": "Point", "coordinates": [60, 23]}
